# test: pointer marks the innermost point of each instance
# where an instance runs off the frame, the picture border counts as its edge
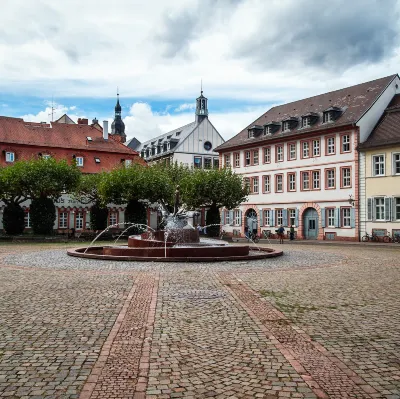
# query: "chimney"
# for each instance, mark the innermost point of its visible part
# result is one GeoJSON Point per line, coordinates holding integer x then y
{"type": "Point", "coordinates": [83, 121]}
{"type": "Point", "coordinates": [105, 130]}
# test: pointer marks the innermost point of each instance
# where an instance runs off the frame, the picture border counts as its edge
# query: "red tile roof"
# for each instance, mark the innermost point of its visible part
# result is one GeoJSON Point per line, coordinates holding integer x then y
{"type": "Point", "coordinates": [387, 132]}
{"type": "Point", "coordinates": [354, 101]}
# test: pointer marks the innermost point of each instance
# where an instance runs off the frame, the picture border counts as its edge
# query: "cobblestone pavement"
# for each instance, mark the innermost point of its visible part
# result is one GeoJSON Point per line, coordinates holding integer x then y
{"type": "Point", "coordinates": [315, 323]}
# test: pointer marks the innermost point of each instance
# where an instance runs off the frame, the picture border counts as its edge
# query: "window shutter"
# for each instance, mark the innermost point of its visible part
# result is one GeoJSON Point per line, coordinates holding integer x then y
{"type": "Point", "coordinates": [323, 217]}
{"type": "Point", "coordinates": [231, 216]}
{"type": "Point", "coordinates": [337, 217]}
{"type": "Point", "coordinates": [284, 214]}
{"type": "Point", "coordinates": [223, 217]}
{"type": "Point", "coordinates": [261, 213]}
{"type": "Point", "coordinates": [296, 221]}
{"type": "Point", "coordinates": [352, 218]}
{"type": "Point", "coordinates": [369, 209]}
{"type": "Point", "coordinates": [373, 209]}
{"type": "Point", "coordinates": [272, 217]}
{"type": "Point", "coordinates": [393, 209]}
{"type": "Point", "coordinates": [388, 209]}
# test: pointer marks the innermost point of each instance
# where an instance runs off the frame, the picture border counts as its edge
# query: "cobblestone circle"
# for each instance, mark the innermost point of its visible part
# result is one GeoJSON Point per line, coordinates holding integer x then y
{"type": "Point", "coordinates": [317, 322]}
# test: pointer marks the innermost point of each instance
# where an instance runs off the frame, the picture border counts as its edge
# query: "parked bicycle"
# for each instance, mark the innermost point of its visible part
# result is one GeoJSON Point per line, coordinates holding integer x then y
{"type": "Point", "coordinates": [370, 237]}
{"type": "Point", "coordinates": [392, 238]}
{"type": "Point", "coordinates": [253, 237]}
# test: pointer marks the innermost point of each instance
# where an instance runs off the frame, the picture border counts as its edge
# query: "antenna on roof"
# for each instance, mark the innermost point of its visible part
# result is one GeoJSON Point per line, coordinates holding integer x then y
{"type": "Point", "coordinates": [52, 109]}
{"type": "Point", "coordinates": [201, 85]}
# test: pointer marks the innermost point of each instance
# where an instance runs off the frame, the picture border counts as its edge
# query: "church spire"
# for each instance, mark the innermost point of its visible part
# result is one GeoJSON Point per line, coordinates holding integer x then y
{"type": "Point", "coordinates": [118, 126]}
{"type": "Point", "coordinates": [201, 106]}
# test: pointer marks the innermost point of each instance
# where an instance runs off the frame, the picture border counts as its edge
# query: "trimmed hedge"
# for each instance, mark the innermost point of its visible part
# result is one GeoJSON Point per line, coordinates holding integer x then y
{"type": "Point", "coordinates": [98, 217]}
{"type": "Point", "coordinates": [13, 219]}
{"type": "Point", "coordinates": [43, 215]}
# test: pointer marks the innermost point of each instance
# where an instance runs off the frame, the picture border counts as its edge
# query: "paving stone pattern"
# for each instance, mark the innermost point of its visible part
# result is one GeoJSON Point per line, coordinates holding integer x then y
{"type": "Point", "coordinates": [314, 323]}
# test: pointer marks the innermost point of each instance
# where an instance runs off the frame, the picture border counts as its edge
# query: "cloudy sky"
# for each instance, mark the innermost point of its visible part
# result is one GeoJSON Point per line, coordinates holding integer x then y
{"type": "Point", "coordinates": [250, 54]}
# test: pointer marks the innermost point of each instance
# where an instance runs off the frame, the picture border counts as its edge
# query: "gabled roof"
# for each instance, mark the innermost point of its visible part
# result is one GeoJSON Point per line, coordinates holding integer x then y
{"type": "Point", "coordinates": [60, 135]}
{"type": "Point", "coordinates": [353, 102]}
{"type": "Point", "coordinates": [182, 131]}
{"type": "Point", "coordinates": [65, 119]}
{"type": "Point", "coordinates": [387, 131]}
{"type": "Point", "coordinates": [133, 143]}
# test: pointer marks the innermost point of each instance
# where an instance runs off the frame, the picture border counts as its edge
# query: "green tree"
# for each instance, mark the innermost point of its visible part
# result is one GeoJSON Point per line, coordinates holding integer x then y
{"type": "Point", "coordinates": [214, 189]}
{"type": "Point", "coordinates": [13, 219]}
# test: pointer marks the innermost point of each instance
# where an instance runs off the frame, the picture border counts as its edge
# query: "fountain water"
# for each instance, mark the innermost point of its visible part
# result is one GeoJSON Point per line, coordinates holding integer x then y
{"type": "Point", "coordinates": [179, 241]}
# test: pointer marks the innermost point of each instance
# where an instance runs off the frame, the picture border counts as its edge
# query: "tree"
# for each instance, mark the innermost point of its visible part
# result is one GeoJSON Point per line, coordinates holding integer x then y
{"type": "Point", "coordinates": [13, 219]}
{"type": "Point", "coordinates": [214, 189]}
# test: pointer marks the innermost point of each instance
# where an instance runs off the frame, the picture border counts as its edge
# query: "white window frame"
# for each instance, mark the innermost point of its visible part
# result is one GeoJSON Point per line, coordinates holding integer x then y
{"type": "Point", "coordinates": [381, 206]}
{"type": "Point", "coordinates": [237, 217]}
{"type": "Point", "coordinates": [292, 151]}
{"type": "Point", "coordinates": [330, 179]}
{"type": "Point", "coordinates": [128, 162]}
{"type": "Point", "coordinates": [292, 181]}
{"type": "Point", "coordinates": [79, 161]}
{"type": "Point", "coordinates": [396, 161]}
{"type": "Point", "coordinates": [227, 217]}
{"type": "Point", "coordinates": [267, 217]}
{"type": "Point", "coordinates": [267, 155]}
{"type": "Point", "coordinates": [316, 182]}
{"type": "Point", "coordinates": [279, 217]}
{"type": "Point", "coordinates": [346, 178]}
{"type": "Point", "coordinates": [316, 148]}
{"type": "Point", "coordinates": [292, 217]}
{"type": "Point", "coordinates": [303, 180]}
{"type": "Point", "coordinates": [396, 208]}
{"type": "Point", "coordinates": [112, 218]}
{"type": "Point", "coordinates": [328, 117]}
{"type": "Point", "coordinates": [346, 143]}
{"type": "Point", "coordinates": [346, 217]}
{"type": "Point", "coordinates": [10, 156]}
{"type": "Point", "coordinates": [27, 220]}
{"type": "Point", "coordinates": [378, 160]}
{"type": "Point", "coordinates": [63, 220]}
{"type": "Point", "coordinates": [228, 160]}
{"type": "Point", "coordinates": [255, 157]}
{"type": "Point", "coordinates": [330, 143]}
{"type": "Point", "coordinates": [247, 156]}
{"type": "Point", "coordinates": [330, 217]}
{"type": "Point", "coordinates": [279, 183]}
{"type": "Point", "coordinates": [305, 147]}
{"type": "Point", "coordinates": [267, 183]}
{"type": "Point", "coordinates": [255, 185]}
{"type": "Point", "coordinates": [79, 220]}
{"type": "Point", "coordinates": [279, 153]}
{"type": "Point", "coordinates": [306, 121]}
{"type": "Point", "coordinates": [286, 126]}
{"type": "Point", "coordinates": [237, 160]}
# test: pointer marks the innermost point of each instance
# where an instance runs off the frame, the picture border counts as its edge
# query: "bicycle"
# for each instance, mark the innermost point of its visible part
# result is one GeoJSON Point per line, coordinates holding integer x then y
{"type": "Point", "coordinates": [253, 237]}
{"type": "Point", "coordinates": [222, 234]}
{"type": "Point", "coordinates": [392, 238]}
{"type": "Point", "coordinates": [370, 237]}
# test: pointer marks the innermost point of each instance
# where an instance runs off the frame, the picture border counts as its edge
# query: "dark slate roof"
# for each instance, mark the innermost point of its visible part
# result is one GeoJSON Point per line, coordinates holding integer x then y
{"type": "Point", "coordinates": [133, 143]}
{"type": "Point", "coordinates": [387, 131]}
{"type": "Point", "coordinates": [353, 101]}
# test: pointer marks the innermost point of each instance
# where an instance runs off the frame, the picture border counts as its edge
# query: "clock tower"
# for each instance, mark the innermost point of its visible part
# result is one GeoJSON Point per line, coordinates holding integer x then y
{"type": "Point", "coordinates": [201, 108]}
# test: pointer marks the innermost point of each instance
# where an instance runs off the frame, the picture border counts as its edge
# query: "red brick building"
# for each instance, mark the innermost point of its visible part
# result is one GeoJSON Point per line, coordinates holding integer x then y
{"type": "Point", "coordinates": [90, 146]}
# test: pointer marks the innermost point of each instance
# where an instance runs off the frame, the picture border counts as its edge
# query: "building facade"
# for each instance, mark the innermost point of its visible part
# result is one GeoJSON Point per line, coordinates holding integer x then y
{"type": "Point", "coordinates": [380, 176]}
{"type": "Point", "coordinates": [301, 163]}
{"type": "Point", "coordinates": [191, 145]}
{"type": "Point", "coordinates": [92, 148]}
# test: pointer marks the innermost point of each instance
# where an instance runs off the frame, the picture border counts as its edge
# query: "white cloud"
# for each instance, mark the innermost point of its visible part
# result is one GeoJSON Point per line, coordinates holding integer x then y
{"type": "Point", "coordinates": [47, 115]}
{"type": "Point", "coordinates": [73, 108]}
{"type": "Point", "coordinates": [185, 107]}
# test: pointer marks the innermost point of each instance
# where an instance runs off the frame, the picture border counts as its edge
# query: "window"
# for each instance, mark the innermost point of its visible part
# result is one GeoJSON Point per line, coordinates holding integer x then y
{"type": "Point", "coordinates": [267, 154]}
{"type": "Point", "coordinates": [378, 162]}
{"type": "Point", "coordinates": [292, 217]}
{"type": "Point", "coordinates": [397, 208]}
{"type": "Point", "coordinates": [345, 142]}
{"type": "Point", "coordinates": [346, 218]}
{"type": "Point", "coordinates": [79, 221]}
{"type": "Point", "coordinates": [97, 160]}
{"type": "Point", "coordinates": [396, 164]}
{"type": "Point", "coordinates": [330, 146]}
{"type": "Point", "coordinates": [267, 184]}
{"type": "Point", "coordinates": [330, 178]}
{"type": "Point", "coordinates": [237, 217]}
{"type": "Point", "coordinates": [255, 157]}
{"type": "Point", "coordinates": [328, 117]}
{"type": "Point", "coordinates": [330, 217]}
{"type": "Point", "coordinates": [255, 185]}
{"type": "Point", "coordinates": [305, 178]}
{"type": "Point", "coordinates": [316, 179]}
{"type": "Point", "coordinates": [128, 162]}
{"type": "Point", "coordinates": [279, 153]}
{"type": "Point", "coordinates": [250, 134]}
{"type": "Point", "coordinates": [198, 162]}
{"type": "Point", "coordinates": [63, 220]}
{"type": "Point", "coordinates": [292, 181]}
{"type": "Point", "coordinates": [306, 149]}
{"type": "Point", "coordinates": [46, 156]}
{"type": "Point", "coordinates": [306, 121]}
{"type": "Point", "coordinates": [268, 130]}
{"type": "Point", "coordinates": [379, 208]}
{"type": "Point", "coordinates": [216, 163]}
{"type": "Point", "coordinates": [279, 217]}
{"type": "Point", "coordinates": [227, 217]}
{"type": "Point", "coordinates": [346, 177]}
{"type": "Point", "coordinates": [79, 161]}
{"type": "Point", "coordinates": [292, 151]}
{"type": "Point", "coordinates": [207, 146]}
{"type": "Point", "coordinates": [207, 163]}
{"type": "Point", "coordinates": [112, 218]}
{"type": "Point", "coordinates": [279, 183]}
{"type": "Point", "coordinates": [10, 157]}
{"type": "Point", "coordinates": [27, 220]}
{"type": "Point", "coordinates": [316, 148]}
{"type": "Point", "coordinates": [286, 126]}
{"type": "Point", "coordinates": [237, 160]}
{"type": "Point", "coordinates": [228, 160]}
{"type": "Point", "coordinates": [247, 158]}
{"type": "Point", "coordinates": [267, 217]}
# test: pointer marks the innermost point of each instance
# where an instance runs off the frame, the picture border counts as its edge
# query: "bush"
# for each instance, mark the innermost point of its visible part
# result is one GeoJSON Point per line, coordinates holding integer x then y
{"type": "Point", "coordinates": [98, 217]}
{"type": "Point", "coordinates": [43, 215]}
{"type": "Point", "coordinates": [13, 219]}
{"type": "Point", "coordinates": [136, 212]}
{"type": "Point", "coordinates": [214, 218]}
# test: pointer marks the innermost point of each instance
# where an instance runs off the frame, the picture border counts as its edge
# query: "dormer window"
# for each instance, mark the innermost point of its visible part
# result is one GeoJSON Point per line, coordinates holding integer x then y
{"type": "Point", "coordinates": [177, 133]}
{"type": "Point", "coordinates": [255, 131]}
{"type": "Point", "coordinates": [286, 126]}
{"type": "Point", "coordinates": [306, 121]}
{"type": "Point", "coordinates": [97, 160]}
{"type": "Point", "coordinates": [271, 128]}
{"type": "Point", "coordinates": [332, 114]}
{"type": "Point", "coordinates": [250, 134]}
{"type": "Point", "coordinates": [289, 124]}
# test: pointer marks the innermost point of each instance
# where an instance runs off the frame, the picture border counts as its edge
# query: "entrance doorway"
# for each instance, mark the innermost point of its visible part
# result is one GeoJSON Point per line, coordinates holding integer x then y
{"type": "Point", "coordinates": [310, 223]}
{"type": "Point", "coordinates": [251, 221]}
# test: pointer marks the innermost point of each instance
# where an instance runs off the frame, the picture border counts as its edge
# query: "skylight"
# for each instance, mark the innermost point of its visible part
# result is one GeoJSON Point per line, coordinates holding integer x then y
{"type": "Point", "coordinates": [89, 138]}
{"type": "Point", "coordinates": [97, 160]}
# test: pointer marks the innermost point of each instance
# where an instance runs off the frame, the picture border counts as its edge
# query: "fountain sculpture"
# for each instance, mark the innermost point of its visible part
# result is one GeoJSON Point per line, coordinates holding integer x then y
{"type": "Point", "coordinates": [177, 242]}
